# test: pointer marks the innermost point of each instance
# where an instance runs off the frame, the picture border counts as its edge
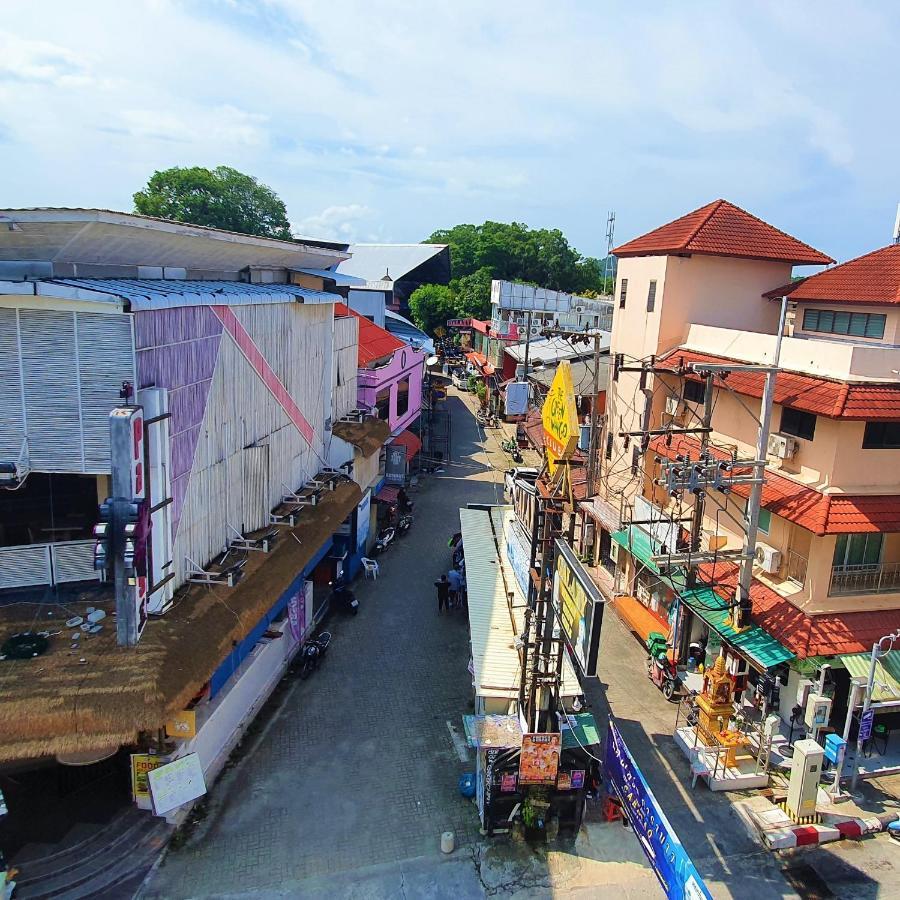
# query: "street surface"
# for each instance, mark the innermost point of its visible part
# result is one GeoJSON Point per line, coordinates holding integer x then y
{"type": "Point", "coordinates": [352, 776]}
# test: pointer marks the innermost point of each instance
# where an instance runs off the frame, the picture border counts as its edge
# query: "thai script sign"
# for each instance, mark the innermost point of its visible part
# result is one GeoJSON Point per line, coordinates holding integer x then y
{"type": "Point", "coordinates": [668, 858]}
{"type": "Point", "coordinates": [560, 417]}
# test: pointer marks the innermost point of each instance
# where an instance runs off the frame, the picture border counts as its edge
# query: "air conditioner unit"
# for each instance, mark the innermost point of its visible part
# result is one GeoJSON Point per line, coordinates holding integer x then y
{"type": "Point", "coordinates": [768, 558]}
{"type": "Point", "coordinates": [782, 445]}
{"type": "Point", "coordinates": [579, 309]}
{"type": "Point", "coordinates": [673, 406]}
{"type": "Point", "coordinates": [535, 330]}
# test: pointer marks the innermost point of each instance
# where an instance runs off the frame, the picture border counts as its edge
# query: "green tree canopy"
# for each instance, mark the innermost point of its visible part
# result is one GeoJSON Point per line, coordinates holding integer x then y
{"type": "Point", "coordinates": [431, 305]}
{"type": "Point", "coordinates": [220, 198]}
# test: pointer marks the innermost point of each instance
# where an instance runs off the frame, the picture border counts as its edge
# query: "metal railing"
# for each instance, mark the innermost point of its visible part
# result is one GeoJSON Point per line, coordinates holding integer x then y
{"type": "Point", "coordinates": [881, 578]}
{"type": "Point", "coordinates": [795, 567]}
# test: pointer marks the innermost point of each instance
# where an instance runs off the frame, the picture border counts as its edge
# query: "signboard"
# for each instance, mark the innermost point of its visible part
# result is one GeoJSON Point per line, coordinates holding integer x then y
{"type": "Point", "coordinates": [459, 323]}
{"type": "Point", "coordinates": [395, 464]}
{"type": "Point", "coordinates": [516, 401]}
{"type": "Point", "coordinates": [138, 588]}
{"type": "Point", "coordinates": [176, 783]}
{"type": "Point", "coordinates": [578, 604]}
{"type": "Point", "coordinates": [564, 781]}
{"type": "Point", "coordinates": [130, 419]}
{"type": "Point", "coordinates": [508, 783]}
{"type": "Point", "coordinates": [298, 609]}
{"type": "Point", "coordinates": [363, 514]}
{"type": "Point", "coordinates": [560, 417]}
{"type": "Point", "coordinates": [182, 725]}
{"type": "Point", "coordinates": [866, 724]}
{"type": "Point", "coordinates": [578, 779]}
{"type": "Point", "coordinates": [142, 764]}
{"type": "Point", "coordinates": [518, 552]}
{"type": "Point", "coordinates": [539, 759]}
{"type": "Point", "coordinates": [668, 858]}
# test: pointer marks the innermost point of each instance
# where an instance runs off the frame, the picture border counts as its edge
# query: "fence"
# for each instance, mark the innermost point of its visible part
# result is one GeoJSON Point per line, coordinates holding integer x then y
{"type": "Point", "coordinates": [31, 565]}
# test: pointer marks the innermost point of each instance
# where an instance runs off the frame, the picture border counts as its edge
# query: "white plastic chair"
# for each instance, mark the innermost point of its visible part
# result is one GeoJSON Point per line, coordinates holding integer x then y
{"type": "Point", "coordinates": [371, 567]}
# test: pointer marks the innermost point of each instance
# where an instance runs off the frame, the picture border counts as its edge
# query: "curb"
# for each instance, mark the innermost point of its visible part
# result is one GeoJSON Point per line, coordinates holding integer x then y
{"type": "Point", "coordinates": [809, 835]}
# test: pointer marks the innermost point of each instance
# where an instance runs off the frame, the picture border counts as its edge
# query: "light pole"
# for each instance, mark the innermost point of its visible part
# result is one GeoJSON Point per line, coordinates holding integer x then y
{"type": "Point", "coordinates": [879, 648]}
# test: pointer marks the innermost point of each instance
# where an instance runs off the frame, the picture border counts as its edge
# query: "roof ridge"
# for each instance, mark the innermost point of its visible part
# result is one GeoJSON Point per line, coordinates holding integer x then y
{"type": "Point", "coordinates": [714, 207]}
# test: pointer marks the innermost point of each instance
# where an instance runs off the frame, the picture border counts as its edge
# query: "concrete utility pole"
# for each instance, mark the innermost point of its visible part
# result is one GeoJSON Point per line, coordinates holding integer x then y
{"type": "Point", "coordinates": [593, 449]}
{"type": "Point", "coordinates": [527, 346]}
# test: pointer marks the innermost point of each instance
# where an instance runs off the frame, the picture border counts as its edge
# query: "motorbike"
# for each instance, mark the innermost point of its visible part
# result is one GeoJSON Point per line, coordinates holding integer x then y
{"type": "Point", "coordinates": [662, 672]}
{"type": "Point", "coordinates": [313, 653]}
{"type": "Point", "coordinates": [384, 540]}
{"type": "Point", "coordinates": [404, 523]}
{"type": "Point", "coordinates": [512, 448]}
{"type": "Point", "coordinates": [342, 596]}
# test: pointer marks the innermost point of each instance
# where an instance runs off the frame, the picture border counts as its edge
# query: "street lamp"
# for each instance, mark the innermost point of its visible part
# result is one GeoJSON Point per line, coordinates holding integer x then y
{"type": "Point", "coordinates": [879, 648]}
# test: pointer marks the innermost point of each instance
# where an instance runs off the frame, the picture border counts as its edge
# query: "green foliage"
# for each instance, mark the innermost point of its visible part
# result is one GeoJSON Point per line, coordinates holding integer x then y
{"type": "Point", "coordinates": [473, 294]}
{"type": "Point", "coordinates": [220, 198]}
{"type": "Point", "coordinates": [431, 305]}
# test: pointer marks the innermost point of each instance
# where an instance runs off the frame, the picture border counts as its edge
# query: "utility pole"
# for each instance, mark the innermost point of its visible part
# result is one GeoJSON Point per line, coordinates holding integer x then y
{"type": "Point", "coordinates": [527, 344]}
{"type": "Point", "coordinates": [700, 496]}
{"type": "Point", "coordinates": [592, 443]}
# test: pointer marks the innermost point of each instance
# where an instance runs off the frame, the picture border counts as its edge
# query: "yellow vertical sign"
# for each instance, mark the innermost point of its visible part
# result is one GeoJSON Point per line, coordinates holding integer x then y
{"type": "Point", "coordinates": [560, 418]}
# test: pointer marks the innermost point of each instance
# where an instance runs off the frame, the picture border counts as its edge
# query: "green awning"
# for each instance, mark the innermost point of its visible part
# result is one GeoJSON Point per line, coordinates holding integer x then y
{"type": "Point", "coordinates": [583, 734]}
{"type": "Point", "coordinates": [638, 544]}
{"type": "Point", "coordinates": [887, 673]}
{"type": "Point", "coordinates": [753, 641]}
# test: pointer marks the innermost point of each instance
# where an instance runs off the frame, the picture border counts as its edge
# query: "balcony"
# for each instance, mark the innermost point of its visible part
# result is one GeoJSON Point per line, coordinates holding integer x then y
{"type": "Point", "coordinates": [883, 578]}
{"type": "Point", "coordinates": [795, 567]}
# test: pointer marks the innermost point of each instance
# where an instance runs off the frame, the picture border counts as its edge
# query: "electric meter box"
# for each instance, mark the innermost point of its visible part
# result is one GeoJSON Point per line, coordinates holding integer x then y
{"type": "Point", "coordinates": [818, 709]}
{"type": "Point", "coordinates": [806, 770]}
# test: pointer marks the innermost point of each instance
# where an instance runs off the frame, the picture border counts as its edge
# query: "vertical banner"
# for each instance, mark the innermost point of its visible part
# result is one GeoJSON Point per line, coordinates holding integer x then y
{"type": "Point", "coordinates": [668, 858]}
{"type": "Point", "coordinates": [299, 609]}
{"type": "Point", "coordinates": [363, 513]}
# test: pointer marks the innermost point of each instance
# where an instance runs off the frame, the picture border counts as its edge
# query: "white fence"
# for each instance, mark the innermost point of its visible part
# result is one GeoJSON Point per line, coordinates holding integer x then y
{"type": "Point", "coordinates": [32, 565]}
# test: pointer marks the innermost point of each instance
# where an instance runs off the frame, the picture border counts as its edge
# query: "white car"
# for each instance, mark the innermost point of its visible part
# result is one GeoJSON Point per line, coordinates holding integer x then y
{"type": "Point", "coordinates": [460, 381]}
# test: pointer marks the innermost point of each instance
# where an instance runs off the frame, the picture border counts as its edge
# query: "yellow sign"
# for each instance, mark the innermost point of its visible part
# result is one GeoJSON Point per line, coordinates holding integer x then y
{"type": "Point", "coordinates": [182, 725]}
{"type": "Point", "coordinates": [142, 764]}
{"type": "Point", "coordinates": [560, 417]}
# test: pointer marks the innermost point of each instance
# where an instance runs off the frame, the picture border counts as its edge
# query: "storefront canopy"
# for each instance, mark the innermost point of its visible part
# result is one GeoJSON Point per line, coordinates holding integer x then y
{"type": "Point", "coordinates": [638, 544]}
{"type": "Point", "coordinates": [408, 440]}
{"type": "Point", "coordinates": [887, 673]}
{"type": "Point", "coordinates": [755, 643]}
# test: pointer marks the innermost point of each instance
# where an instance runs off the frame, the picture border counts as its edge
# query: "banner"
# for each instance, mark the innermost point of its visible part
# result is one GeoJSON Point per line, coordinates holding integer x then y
{"type": "Point", "coordinates": [539, 759]}
{"type": "Point", "coordinates": [668, 858]}
{"type": "Point", "coordinates": [298, 609]}
{"type": "Point", "coordinates": [579, 605]}
{"type": "Point", "coordinates": [362, 521]}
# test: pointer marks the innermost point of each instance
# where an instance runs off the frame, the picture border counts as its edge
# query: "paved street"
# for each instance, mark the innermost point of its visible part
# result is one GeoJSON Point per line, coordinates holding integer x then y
{"type": "Point", "coordinates": [348, 784]}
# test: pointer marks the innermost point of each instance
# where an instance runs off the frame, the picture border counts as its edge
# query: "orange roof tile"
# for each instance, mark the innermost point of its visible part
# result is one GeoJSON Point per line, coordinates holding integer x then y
{"type": "Point", "coordinates": [722, 229]}
{"type": "Point", "coordinates": [374, 343]}
{"type": "Point", "coordinates": [828, 634]}
{"type": "Point", "coordinates": [811, 393]}
{"type": "Point", "coordinates": [870, 279]}
{"type": "Point", "coordinates": [801, 504]}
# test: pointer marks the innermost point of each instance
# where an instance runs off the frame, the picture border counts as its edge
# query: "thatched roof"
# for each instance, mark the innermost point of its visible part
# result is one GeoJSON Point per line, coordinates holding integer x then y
{"type": "Point", "coordinates": [56, 704]}
{"type": "Point", "coordinates": [369, 436]}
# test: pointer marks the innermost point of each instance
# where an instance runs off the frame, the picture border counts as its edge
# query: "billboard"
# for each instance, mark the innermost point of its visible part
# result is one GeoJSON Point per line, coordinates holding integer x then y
{"type": "Point", "coordinates": [668, 858]}
{"type": "Point", "coordinates": [578, 604]}
{"type": "Point", "coordinates": [539, 759]}
{"type": "Point", "coordinates": [395, 464]}
{"type": "Point", "coordinates": [518, 552]}
{"type": "Point", "coordinates": [559, 415]}
{"type": "Point", "coordinates": [516, 402]}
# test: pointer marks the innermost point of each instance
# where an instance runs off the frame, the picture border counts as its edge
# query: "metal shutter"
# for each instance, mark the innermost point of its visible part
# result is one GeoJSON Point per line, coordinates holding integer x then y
{"type": "Point", "coordinates": [24, 566]}
{"type": "Point", "coordinates": [73, 561]}
{"type": "Point", "coordinates": [12, 426]}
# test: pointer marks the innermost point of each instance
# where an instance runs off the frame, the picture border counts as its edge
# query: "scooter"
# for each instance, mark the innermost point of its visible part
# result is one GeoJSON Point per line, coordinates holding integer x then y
{"type": "Point", "coordinates": [313, 653]}
{"type": "Point", "coordinates": [404, 523]}
{"type": "Point", "coordinates": [342, 596]}
{"type": "Point", "coordinates": [384, 540]}
{"type": "Point", "coordinates": [662, 672]}
{"type": "Point", "coordinates": [512, 448]}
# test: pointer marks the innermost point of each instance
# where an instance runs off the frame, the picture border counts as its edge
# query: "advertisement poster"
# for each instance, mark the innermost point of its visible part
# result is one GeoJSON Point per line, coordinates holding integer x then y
{"type": "Point", "coordinates": [508, 784]}
{"type": "Point", "coordinates": [668, 858]}
{"type": "Point", "coordinates": [299, 609]}
{"type": "Point", "coordinates": [539, 759]}
{"type": "Point", "coordinates": [142, 764]}
{"type": "Point", "coordinates": [564, 781]}
{"type": "Point", "coordinates": [579, 605]}
{"type": "Point", "coordinates": [559, 416]}
{"type": "Point", "coordinates": [363, 514]}
{"type": "Point", "coordinates": [176, 783]}
{"type": "Point", "coordinates": [395, 464]}
{"type": "Point", "coordinates": [578, 779]}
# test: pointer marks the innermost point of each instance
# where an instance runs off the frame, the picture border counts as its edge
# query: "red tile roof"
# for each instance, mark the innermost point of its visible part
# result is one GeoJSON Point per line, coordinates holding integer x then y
{"type": "Point", "coordinates": [722, 229]}
{"type": "Point", "coordinates": [827, 634]}
{"type": "Point", "coordinates": [805, 506]}
{"type": "Point", "coordinates": [410, 441]}
{"type": "Point", "coordinates": [811, 393]}
{"type": "Point", "coordinates": [871, 279]}
{"type": "Point", "coordinates": [374, 343]}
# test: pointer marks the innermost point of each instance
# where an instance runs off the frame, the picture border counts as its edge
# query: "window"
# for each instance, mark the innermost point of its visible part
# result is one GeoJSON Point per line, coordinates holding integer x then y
{"type": "Point", "coordinates": [623, 291]}
{"type": "Point", "coordinates": [881, 436]}
{"type": "Point", "coordinates": [694, 392]}
{"type": "Point", "coordinates": [402, 397]}
{"type": "Point", "coordinates": [765, 521]}
{"type": "Point", "coordinates": [383, 404]}
{"type": "Point", "coordinates": [609, 445]}
{"type": "Point", "coordinates": [858, 550]}
{"type": "Point", "coordinates": [651, 297]}
{"type": "Point", "coordinates": [799, 424]}
{"type": "Point", "coordinates": [827, 321]}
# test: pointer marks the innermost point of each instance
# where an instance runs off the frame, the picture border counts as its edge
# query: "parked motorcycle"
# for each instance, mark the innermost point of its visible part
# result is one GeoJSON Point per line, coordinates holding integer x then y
{"type": "Point", "coordinates": [343, 597]}
{"type": "Point", "coordinates": [404, 523]}
{"type": "Point", "coordinates": [662, 672]}
{"type": "Point", "coordinates": [512, 448]}
{"type": "Point", "coordinates": [384, 540]}
{"type": "Point", "coordinates": [313, 653]}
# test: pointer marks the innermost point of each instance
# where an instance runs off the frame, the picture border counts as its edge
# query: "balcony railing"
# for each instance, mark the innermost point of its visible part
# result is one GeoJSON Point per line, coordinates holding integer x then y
{"type": "Point", "coordinates": [865, 579]}
{"type": "Point", "coordinates": [795, 567]}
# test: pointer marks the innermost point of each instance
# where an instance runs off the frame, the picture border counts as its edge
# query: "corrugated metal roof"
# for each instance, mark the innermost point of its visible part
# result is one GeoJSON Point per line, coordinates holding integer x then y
{"type": "Point", "coordinates": [154, 293]}
{"type": "Point", "coordinates": [492, 625]}
{"type": "Point", "coordinates": [371, 261]}
{"type": "Point", "coordinates": [557, 348]}
{"type": "Point", "coordinates": [339, 278]}
{"type": "Point", "coordinates": [887, 673]}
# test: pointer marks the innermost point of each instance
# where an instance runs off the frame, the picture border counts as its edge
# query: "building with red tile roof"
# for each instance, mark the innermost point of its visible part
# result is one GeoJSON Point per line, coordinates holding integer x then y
{"type": "Point", "coordinates": [375, 344]}
{"type": "Point", "coordinates": [722, 229]}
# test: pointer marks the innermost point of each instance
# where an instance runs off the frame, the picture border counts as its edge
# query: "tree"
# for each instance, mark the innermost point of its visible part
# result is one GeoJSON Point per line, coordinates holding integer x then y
{"type": "Point", "coordinates": [220, 198]}
{"type": "Point", "coordinates": [473, 294]}
{"type": "Point", "coordinates": [431, 305]}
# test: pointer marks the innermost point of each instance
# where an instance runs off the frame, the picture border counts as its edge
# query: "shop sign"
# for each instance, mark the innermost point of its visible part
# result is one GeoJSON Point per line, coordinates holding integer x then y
{"type": "Point", "coordinates": [579, 605]}
{"type": "Point", "coordinates": [559, 415]}
{"type": "Point", "coordinates": [395, 464]}
{"type": "Point", "coordinates": [182, 725]}
{"type": "Point", "coordinates": [668, 858]}
{"type": "Point", "coordinates": [539, 759]}
{"type": "Point", "coordinates": [176, 783]}
{"type": "Point", "coordinates": [866, 724]}
{"type": "Point", "coordinates": [518, 552]}
{"type": "Point", "coordinates": [459, 323]}
{"type": "Point", "coordinates": [142, 764]}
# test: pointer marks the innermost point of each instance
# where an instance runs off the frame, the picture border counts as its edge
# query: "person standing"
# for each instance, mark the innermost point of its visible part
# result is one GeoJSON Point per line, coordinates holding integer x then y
{"type": "Point", "coordinates": [455, 580]}
{"type": "Point", "coordinates": [443, 594]}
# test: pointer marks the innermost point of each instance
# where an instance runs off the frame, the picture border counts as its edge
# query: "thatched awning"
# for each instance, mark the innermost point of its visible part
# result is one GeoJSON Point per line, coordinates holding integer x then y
{"type": "Point", "coordinates": [368, 436]}
{"type": "Point", "coordinates": [56, 704]}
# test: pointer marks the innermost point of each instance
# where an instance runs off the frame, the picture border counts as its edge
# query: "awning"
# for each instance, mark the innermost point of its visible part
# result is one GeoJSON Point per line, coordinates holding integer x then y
{"type": "Point", "coordinates": [480, 360]}
{"type": "Point", "coordinates": [754, 642]}
{"type": "Point", "coordinates": [410, 441]}
{"type": "Point", "coordinates": [583, 733]}
{"type": "Point", "coordinates": [387, 494]}
{"type": "Point", "coordinates": [367, 436]}
{"type": "Point", "coordinates": [638, 544]}
{"type": "Point", "coordinates": [887, 673]}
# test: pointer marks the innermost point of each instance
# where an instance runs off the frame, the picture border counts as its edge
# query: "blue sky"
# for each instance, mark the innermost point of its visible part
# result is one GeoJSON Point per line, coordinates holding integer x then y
{"type": "Point", "coordinates": [386, 120]}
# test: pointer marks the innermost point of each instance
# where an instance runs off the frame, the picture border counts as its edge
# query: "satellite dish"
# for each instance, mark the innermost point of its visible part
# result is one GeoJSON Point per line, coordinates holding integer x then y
{"type": "Point", "coordinates": [432, 361]}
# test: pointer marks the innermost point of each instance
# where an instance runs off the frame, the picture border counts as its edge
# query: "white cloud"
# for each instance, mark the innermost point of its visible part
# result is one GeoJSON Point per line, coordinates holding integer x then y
{"type": "Point", "coordinates": [22, 59]}
{"type": "Point", "coordinates": [334, 223]}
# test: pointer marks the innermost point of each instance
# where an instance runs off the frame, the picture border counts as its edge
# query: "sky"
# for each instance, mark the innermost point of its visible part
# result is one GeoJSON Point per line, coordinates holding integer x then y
{"type": "Point", "coordinates": [380, 120]}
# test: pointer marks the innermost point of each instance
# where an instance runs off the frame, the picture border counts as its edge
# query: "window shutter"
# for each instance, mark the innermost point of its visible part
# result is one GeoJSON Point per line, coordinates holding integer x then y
{"type": "Point", "coordinates": [651, 297]}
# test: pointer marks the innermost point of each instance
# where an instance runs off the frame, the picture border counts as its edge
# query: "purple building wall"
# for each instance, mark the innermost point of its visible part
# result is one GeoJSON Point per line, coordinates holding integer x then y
{"type": "Point", "coordinates": [405, 363]}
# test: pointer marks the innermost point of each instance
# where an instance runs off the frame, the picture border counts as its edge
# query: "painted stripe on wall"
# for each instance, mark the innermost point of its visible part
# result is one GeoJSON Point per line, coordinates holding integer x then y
{"type": "Point", "coordinates": [262, 368]}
